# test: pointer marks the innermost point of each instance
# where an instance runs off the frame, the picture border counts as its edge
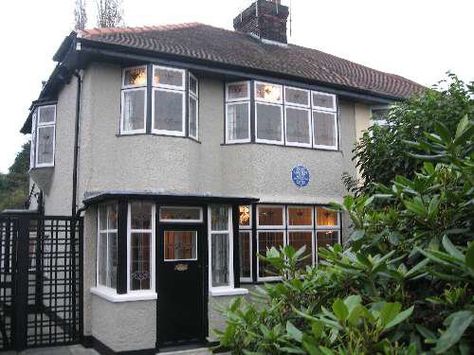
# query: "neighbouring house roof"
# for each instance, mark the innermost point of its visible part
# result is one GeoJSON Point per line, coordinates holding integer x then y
{"type": "Point", "coordinates": [217, 45]}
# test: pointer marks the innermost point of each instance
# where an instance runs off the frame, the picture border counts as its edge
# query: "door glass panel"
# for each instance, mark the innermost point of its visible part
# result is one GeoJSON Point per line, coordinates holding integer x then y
{"type": "Point", "coordinates": [180, 245]}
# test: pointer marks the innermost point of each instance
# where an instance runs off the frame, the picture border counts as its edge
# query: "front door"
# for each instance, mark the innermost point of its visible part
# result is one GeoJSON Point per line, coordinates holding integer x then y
{"type": "Point", "coordinates": [181, 303]}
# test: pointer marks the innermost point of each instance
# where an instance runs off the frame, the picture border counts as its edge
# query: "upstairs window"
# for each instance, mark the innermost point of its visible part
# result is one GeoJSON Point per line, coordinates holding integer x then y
{"type": "Point", "coordinates": [159, 100]}
{"type": "Point", "coordinates": [43, 137]}
{"type": "Point", "coordinates": [280, 115]}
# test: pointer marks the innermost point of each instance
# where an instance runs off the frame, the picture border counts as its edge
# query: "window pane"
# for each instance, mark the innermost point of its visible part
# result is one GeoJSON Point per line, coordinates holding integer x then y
{"type": "Point", "coordinates": [244, 216]}
{"type": "Point", "coordinates": [133, 107]}
{"type": "Point", "coordinates": [180, 245]}
{"type": "Point", "coordinates": [220, 259]}
{"type": "Point", "coordinates": [219, 218]}
{"type": "Point", "coordinates": [193, 117]}
{"type": "Point", "coordinates": [112, 216]}
{"type": "Point", "coordinates": [244, 245]}
{"type": "Point", "coordinates": [135, 77]}
{"type": "Point", "coordinates": [298, 126]}
{"type": "Point", "coordinates": [267, 240]}
{"type": "Point", "coordinates": [300, 216]}
{"type": "Point", "coordinates": [33, 140]}
{"type": "Point", "coordinates": [163, 76]}
{"type": "Point", "coordinates": [299, 239]}
{"type": "Point", "coordinates": [45, 145]}
{"type": "Point", "coordinates": [324, 101]}
{"type": "Point", "coordinates": [268, 92]}
{"type": "Point", "coordinates": [296, 96]}
{"type": "Point", "coordinates": [237, 91]}
{"type": "Point", "coordinates": [327, 238]}
{"type": "Point", "coordinates": [168, 110]}
{"type": "Point", "coordinates": [238, 121]}
{"type": "Point", "coordinates": [47, 114]}
{"type": "Point", "coordinates": [102, 217]}
{"type": "Point", "coordinates": [326, 217]}
{"type": "Point", "coordinates": [193, 85]}
{"type": "Point", "coordinates": [140, 255]}
{"type": "Point", "coordinates": [180, 213]}
{"type": "Point", "coordinates": [270, 216]}
{"type": "Point", "coordinates": [269, 122]}
{"type": "Point", "coordinates": [324, 129]}
{"type": "Point", "coordinates": [141, 215]}
{"type": "Point", "coordinates": [102, 264]}
{"type": "Point", "coordinates": [112, 261]}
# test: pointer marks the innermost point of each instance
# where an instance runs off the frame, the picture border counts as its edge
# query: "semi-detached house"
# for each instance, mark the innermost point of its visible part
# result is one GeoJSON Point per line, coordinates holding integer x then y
{"type": "Point", "coordinates": [188, 149]}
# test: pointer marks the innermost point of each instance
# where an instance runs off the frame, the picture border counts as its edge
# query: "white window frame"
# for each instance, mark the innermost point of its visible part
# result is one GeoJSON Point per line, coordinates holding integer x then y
{"type": "Point", "coordinates": [122, 111]}
{"type": "Point", "coordinates": [40, 125]}
{"type": "Point", "coordinates": [270, 227]}
{"type": "Point", "coordinates": [166, 132]}
{"type": "Point", "coordinates": [294, 104]}
{"type": "Point", "coordinates": [259, 99]}
{"type": "Point", "coordinates": [107, 231]}
{"type": "Point", "coordinates": [194, 96]}
{"type": "Point", "coordinates": [336, 131]}
{"type": "Point", "coordinates": [310, 127]}
{"type": "Point", "coordinates": [282, 135]}
{"type": "Point", "coordinates": [229, 231]}
{"type": "Point", "coordinates": [227, 132]}
{"type": "Point", "coordinates": [151, 290]}
{"type": "Point", "coordinates": [200, 220]}
{"type": "Point", "coordinates": [285, 243]}
{"type": "Point", "coordinates": [247, 98]}
{"type": "Point", "coordinates": [195, 247]}
{"type": "Point", "coordinates": [124, 86]}
{"type": "Point", "coordinates": [181, 87]}
{"type": "Point", "coordinates": [319, 108]}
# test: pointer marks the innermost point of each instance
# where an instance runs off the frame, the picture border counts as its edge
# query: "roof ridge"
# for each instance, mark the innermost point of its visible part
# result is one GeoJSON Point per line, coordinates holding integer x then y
{"type": "Point", "coordinates": [135, 29]}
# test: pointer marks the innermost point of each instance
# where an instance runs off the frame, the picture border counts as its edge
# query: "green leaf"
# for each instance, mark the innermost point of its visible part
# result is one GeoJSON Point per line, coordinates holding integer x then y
{"type": "Point", "coordinates": [389, 311]}
{"type": "Point", "coordinates": [459, 323]}
{"type": "Point", "coordinates": [352, 301]}
{"type": "Point", "coordinates": [451, 249]}
{"type": "Point", "coordinates": [399, 318]}
{"type": "Point", "coordinates": [293, 332]}
{"type": "Point", "coordinates": [470, 256]}
{"type": "Point", "coordinates": [340, 310]}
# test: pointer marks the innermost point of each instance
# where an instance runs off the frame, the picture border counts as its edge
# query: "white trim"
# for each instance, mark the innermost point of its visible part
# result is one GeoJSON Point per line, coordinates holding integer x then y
{"type": "Point", "coordinates": [320, 108]}
{"type": "Point", "coordinates": [195, 246]}
{"type": "Point", "coordinates": [300, 227]}
{"type": "Point", "coordinates": [112, 296]}
{"type": "Point", "coordinates": [280, 101]}
{"type": "Point", "coordinates": [183, 115]}
{"type": "Point", "coordinates": [282, 125]}
{"type": "Point", "coordinates": [227, 291]}
{"type": "Point", "coordinates": [268, 278]}
{"type": "Point", "coordinates": [336, 131]}
{"type": "Point", "coordinates": [289, 103]}
{"type": "Point", "coordinates": [310, 126]}
{"type": "Point", "coordinates": [134, 86]}
{"type": "Point", "coordinates": [227, 131]}
{"type": "Point", "coordinates": [122, 111]}
{"type": "Point", "coordinates": [247, 98]}
{"type": "Point", "coordinates": [168, 86]}
{"type": "Point", "coordinates": [200, 220]}
{"type": "Point", "coordinates": [279, 226]}
{"type": "Point", "coordinates": [230, 234]}
{"type": "Point", "coordinates": [40, 108]}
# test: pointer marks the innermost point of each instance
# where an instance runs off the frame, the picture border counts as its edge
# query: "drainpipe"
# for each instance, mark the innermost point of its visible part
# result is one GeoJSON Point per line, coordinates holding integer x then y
{"type": "Point", "coordinates": [76, 143]}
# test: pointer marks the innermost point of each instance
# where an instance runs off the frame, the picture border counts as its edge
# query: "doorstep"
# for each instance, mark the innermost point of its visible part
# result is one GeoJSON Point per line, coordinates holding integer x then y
{"type": "Point", "coordinates": [196, 351]}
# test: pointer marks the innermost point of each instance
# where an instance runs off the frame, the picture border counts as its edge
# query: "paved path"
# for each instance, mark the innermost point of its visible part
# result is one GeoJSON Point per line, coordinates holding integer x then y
{"type": "Point", "coordinates": [80, 350]}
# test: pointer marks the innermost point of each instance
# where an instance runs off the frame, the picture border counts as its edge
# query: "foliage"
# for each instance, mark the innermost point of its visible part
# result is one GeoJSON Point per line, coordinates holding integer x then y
{"type": "Point", "coordinates": [404, 285]}
{"type": "Point", "coordinates": [14, 185]}
{"type": "Point", "coordinates": [109, 13]}
{"type": "Point", "coordinates": [407, 121]}
{"type": "Point", "coordinates": [80, 15]}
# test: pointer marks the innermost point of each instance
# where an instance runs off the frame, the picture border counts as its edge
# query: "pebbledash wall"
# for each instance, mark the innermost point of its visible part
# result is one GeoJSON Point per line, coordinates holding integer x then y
{"type": "Point", "coordinates": [153, 163]}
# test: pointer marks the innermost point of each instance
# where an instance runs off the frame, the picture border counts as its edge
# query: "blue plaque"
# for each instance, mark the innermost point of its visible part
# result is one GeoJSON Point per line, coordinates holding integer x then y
{"type": "Point", "coordinates": [300, 176]}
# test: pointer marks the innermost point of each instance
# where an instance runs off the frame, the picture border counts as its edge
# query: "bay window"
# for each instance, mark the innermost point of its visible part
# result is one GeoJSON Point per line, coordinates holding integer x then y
{"type": "Point", "coordinates": [43, 137]}
{"type": "Point", "coordinates": [107, 245]}
{"type": "Point", "coordinates": [281, 115]}
{"type": "Point", "coordinates": [159, 100]}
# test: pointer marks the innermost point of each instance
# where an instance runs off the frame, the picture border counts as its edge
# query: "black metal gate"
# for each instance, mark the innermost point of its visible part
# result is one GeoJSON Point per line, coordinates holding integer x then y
{"type": "Point", "coordinates": [40, 280]}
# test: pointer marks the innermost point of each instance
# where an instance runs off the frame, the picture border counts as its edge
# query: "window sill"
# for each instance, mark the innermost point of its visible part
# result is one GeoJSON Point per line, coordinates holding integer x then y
{"type": "Point", "coordinates": [112, 296]}
{"type": "Point", "coordinates": [218, 292]}
{"type": "Point", "coordinates": [316, 148]}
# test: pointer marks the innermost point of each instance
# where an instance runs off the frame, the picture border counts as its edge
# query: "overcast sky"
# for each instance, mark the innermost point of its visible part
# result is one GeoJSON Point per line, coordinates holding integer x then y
{"type": "Point", "coordinates": [418, 39]}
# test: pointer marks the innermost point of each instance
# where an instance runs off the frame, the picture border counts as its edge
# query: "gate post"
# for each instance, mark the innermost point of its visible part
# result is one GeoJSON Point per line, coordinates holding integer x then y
{"type": "Point", "coordinates": [21, 284]}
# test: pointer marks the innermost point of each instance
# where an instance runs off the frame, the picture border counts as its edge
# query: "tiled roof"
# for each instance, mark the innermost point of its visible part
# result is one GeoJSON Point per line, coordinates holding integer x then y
{"type": "Point", "coordinates": [211, 44]}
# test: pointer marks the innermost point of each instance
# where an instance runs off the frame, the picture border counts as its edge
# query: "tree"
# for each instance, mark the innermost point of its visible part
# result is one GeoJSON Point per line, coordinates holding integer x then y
{"type": "Point", "coordinates": [80, 15]}
{"type": "Point", "coordinates": [109, 13]}
{"type": "Point", "coordinates": [14, 186]}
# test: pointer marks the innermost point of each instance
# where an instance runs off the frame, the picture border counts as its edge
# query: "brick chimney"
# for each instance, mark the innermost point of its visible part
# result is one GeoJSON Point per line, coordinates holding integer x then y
{"type": "Point", "coordinates": [265, 19]}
